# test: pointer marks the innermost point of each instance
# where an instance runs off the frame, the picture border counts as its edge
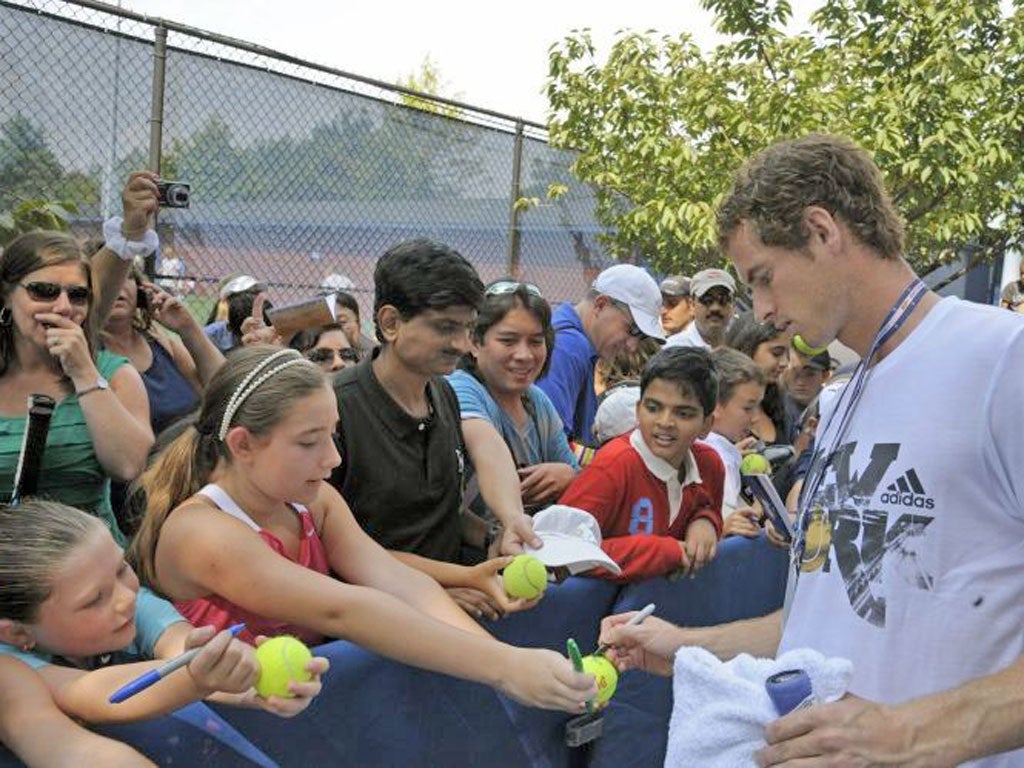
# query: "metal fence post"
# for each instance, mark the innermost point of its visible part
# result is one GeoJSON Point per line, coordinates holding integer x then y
{"type": "Point", "coordinates": [156, 119]}
{"type": "Point", "coordinates": [156, 115]}
{"type": "Point", "coordinates": [513, 222]}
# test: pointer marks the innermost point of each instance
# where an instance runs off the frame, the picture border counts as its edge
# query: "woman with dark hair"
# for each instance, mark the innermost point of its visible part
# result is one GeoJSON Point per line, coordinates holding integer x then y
{"type": "Point", "coordinates": [51, 304]}
{"type": "Point", "coordinates": [769, 349]}
{"type": "Point", "coordinates": [512, 342]}
{"type": "Point", "coordinates": [348, 319]}
{"type": "Point", "coordinates": [174, 372]}
{"type": "Point", "coordinates": [328, 346]}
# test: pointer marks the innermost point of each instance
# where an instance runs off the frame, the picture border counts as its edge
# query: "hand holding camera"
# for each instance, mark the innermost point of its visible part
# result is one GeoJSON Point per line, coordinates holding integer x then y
{"type": "Point", "coordinates": [173, 194]}
{"type": "Point", "coordinates": [139, 200]}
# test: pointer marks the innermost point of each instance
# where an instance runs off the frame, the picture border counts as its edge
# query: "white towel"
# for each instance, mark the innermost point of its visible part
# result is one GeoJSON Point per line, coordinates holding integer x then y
{"type": "Point", "coordinates": [721, 708]}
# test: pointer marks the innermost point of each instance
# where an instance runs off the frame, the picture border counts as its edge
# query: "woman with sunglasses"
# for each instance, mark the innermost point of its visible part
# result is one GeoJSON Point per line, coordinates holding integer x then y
{"type": "Point", "coordinates": [51, 305]}
{"type": "Point", "coordinates": [328, 346]}
{"type": "Point", "coordinates": [173, 372]}
{"type": "Point", "coordinates": [512, 341]}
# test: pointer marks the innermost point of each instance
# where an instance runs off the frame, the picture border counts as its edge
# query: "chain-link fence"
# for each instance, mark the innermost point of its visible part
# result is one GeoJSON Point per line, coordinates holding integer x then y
{"type": "Point", "coordinates": [298, 172]}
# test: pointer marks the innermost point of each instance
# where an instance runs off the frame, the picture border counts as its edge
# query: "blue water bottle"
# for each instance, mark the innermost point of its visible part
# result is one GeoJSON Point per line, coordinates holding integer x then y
{"type": "Point", "coordinates": [790, 690]}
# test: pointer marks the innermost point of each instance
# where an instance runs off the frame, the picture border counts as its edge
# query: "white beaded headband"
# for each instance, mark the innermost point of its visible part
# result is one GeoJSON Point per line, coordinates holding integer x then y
{"type": "Point", "coordinates": [251, 383]}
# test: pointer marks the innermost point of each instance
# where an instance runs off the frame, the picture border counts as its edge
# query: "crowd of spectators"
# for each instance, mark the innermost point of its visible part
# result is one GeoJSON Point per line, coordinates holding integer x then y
{"type": "Point", "coordinates": [273, 497]}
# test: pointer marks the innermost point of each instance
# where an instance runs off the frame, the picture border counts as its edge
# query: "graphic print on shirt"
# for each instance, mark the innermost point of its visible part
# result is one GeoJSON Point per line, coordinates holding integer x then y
{"type": "Point", "coordinates": [868, 527]}
{"type": "Point", "coordinates": [641, 517]}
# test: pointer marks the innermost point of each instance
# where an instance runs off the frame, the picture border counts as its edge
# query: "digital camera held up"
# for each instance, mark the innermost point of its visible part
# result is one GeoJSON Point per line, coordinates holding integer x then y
{"type": "Point", "coordinates": [174, 194]}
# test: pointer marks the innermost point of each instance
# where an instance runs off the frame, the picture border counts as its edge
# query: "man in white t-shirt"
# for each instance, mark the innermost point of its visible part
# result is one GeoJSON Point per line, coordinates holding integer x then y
{"type": "Point", "coordinates": [914, 538]}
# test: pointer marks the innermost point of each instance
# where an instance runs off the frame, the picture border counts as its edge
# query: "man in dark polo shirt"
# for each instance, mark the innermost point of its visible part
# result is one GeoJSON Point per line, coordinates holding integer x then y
{"type": "Point", "coordinates": [402, 439]}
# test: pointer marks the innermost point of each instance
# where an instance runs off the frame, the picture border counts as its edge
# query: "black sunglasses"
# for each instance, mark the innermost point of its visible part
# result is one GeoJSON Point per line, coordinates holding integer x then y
{"type": "Point", "coordinates": [709, 299]}
{"type": "Point", "coordinates": [324, 355]}
{"type": "Point", "coordinates": [45, 291]}
{"type": "Point", "coordinates": [634, 329]}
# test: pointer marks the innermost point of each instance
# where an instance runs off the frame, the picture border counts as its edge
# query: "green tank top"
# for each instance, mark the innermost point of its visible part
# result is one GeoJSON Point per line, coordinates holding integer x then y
{"type": "Point", "coordinates": [71, 473]}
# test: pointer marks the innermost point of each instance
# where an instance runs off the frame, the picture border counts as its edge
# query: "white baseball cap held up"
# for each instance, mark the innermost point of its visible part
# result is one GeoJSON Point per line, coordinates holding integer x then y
{"type": "Point", "coordinates": [572, 538]}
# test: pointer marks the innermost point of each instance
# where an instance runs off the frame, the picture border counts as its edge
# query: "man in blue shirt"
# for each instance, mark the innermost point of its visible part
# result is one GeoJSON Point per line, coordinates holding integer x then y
{"type": "Point", "coordinates": [621, 308]}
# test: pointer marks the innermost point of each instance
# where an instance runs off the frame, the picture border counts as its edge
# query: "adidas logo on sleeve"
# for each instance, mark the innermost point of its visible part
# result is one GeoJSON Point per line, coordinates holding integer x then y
{"type": "Point", "coordinates": [907, 491]}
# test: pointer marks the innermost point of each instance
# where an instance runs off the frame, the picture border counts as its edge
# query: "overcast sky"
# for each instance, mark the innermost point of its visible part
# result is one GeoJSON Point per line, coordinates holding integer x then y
{"type": "Point", "coordinates": [491, 55]}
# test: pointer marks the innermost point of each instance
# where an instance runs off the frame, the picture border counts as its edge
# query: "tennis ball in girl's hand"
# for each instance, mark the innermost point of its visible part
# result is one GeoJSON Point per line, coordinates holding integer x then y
{"type": "Point", "coordinates": [755, 464]}
{"type": "Point", "coordinates": [605, 673]}
{"type": "Point", "coordinates": [525, 577]}
{"type": "Point", "coordinates": [282, 659]}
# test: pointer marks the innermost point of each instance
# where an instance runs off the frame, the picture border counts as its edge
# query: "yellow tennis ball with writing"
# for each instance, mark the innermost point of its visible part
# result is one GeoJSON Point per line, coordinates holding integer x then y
{"type": "Point", "coordinates": [755, 464]}
{"type": "Point", "coordinates": [606, 675]}
{"type": "Point", "coordinates": [525, 577]}
{"type": "Point", "coordinates": [282, 659]}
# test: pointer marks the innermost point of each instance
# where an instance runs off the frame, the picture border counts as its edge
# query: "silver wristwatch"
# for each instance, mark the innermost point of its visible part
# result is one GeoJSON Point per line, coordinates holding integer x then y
{"type": "Point", "coordinates": [101, 383]}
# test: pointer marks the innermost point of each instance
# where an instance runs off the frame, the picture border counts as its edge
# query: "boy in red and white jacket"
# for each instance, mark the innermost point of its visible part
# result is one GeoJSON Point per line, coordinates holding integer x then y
{"type": "Point", "coordinates": [657, 494]}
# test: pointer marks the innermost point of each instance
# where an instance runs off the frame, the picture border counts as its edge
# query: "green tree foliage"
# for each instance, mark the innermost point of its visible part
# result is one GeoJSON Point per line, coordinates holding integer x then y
{"type": "Point", "coordinates": [35, 191]}
{"type": "Point", "coordinates": [429, 81]}
{"type": "Point", "coordinates": [933, 88]}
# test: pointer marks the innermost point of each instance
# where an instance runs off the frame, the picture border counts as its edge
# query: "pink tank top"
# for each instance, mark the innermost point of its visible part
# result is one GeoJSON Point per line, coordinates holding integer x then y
{"type": "Point", "coordinates": [221, 613]}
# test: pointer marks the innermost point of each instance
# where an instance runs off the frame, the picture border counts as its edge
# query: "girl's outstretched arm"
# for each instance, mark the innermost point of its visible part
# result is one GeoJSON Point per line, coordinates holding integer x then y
{"type": "Point", "coordinates": [202, 551]}
{"type": "Point", "coordinates": [225, 664]}
{"type": "Point", "coordinates": [42, 736]}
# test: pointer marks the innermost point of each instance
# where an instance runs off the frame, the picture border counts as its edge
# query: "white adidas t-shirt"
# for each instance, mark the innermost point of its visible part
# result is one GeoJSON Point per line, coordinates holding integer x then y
{"type": "Point", "coordinates": [918, 576]}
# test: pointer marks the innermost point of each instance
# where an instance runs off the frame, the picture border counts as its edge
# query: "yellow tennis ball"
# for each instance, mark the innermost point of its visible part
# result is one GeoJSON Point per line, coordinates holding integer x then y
{"type": "Point", "coordinates": [755, 464]}
{"type": "Point", "coordinates": [605, 673]}
{"type": "Point", "coordinates": [804, 348]}
{"type": "Point", "coordinates": [282, 659]}
{"type": "Point", "coordinates": [525, 577]}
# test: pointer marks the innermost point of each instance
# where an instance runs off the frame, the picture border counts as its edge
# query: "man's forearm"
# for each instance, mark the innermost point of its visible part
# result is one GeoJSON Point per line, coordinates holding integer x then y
{"type": "Point", "coordinates": [983, 717]}
{"type": "Point", "coordinates": [758, 637]}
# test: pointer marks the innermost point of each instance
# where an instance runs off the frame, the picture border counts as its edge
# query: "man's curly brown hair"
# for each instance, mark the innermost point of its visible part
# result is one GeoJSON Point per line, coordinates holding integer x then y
{"type": "Point", "coordinates": [773, 189]}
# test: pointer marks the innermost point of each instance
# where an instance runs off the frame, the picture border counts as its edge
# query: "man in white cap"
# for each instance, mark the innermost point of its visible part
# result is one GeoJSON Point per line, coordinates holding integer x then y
{"type": "Point", "coordinates": [621, 308]}
{"type": "Point", "coordinates": [713, 291]}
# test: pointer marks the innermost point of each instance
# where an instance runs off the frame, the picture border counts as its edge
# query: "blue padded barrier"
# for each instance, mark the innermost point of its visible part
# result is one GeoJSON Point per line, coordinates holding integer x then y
{"type": "Point", "coordinates": [573, 609]}
{"type": "Point", "coordinates": [747, 578]}
{"type": "Point", "coordinates": [375, 712]}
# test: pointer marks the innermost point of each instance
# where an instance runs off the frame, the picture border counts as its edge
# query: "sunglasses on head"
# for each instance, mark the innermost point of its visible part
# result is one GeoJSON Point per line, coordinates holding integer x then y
{"type": "Point", "coordinates": [710, 298]}
{"type": "Point", "coordinates": [45, 291]}
{"type": "Point", "coordinates": [325, 355]}
{"type": "Point", "coordinates": [511, 286]}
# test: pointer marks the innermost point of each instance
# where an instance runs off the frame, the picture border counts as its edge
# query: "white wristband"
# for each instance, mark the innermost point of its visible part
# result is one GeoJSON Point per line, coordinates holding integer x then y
{"type": "Point", "coordinates": [127, 249]}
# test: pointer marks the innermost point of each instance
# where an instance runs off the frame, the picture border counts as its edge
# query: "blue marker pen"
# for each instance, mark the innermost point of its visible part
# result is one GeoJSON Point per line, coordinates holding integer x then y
{"type": "Point", "coordinates": [142, 682]}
